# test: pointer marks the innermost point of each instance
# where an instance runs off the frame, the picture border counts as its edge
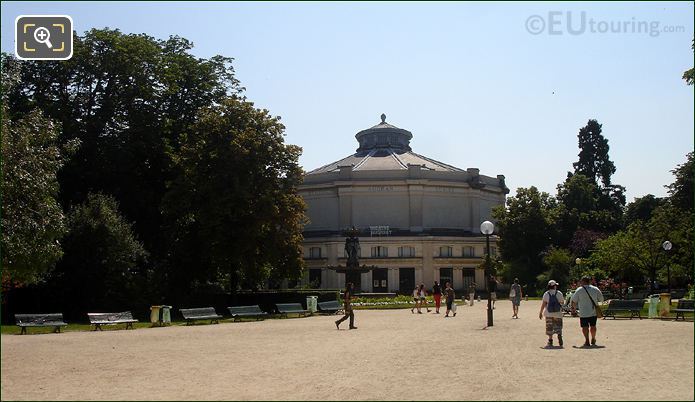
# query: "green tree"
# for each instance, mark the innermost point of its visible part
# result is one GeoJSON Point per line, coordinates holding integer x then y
{"type": "Point", "coordinates": [32, 219]}
{"type": "Point", "coordinates": [526, 229]}
{"type": "Point", "coordinates": [642, 208]}
{"type": "Point", "coordinates": [128, 98]}
{"type": "Point", "coordinates": [100, 267]}
{"type": "Point", "coordinates": [557, 263]}
{"type": "Point", "coordinates": [235, 205]}
{"type": "Point", "coordinates": [594, 161]}
{"type": "Point", "coordinates": [689, 75]}
{"type": "Point", "coordinates": [681, 191]}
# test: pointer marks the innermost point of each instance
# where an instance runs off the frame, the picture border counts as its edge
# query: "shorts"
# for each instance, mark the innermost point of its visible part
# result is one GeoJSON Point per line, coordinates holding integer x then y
{"type": "Point", "coordinates": [586, 322]}
{"type": "Point", "coordinates": [493, 295]}
{"type": "Point", "coordinates": [449, 303]}
{"type": "Point", "coordinates": [553, 326]}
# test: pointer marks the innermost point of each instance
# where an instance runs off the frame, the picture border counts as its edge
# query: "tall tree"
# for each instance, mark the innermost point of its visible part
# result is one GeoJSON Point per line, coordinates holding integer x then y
{"type": "Point", "coordinates": [235, 205]}
{"type": "Point", "coordinates": [100, 266]}
{"type": "Point", "coordinates": [32, 219]}
{"type": "Point", "coordinates": [128, 98]}
{"type": "Point", "coordinates": [526, 228]}
{"type": "Point", "coordinates": [594, 161]}
{"type": "Point", "coordinates": [681, 190]}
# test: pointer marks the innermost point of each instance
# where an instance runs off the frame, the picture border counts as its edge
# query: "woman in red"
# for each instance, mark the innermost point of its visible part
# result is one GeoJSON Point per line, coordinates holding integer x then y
{"type": "Point", "coordinates": [437, 294]}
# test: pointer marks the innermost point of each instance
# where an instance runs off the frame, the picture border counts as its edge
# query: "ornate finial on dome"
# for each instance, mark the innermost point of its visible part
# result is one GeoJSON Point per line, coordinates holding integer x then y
{"type": "Point", "coordinates": [383, 118]}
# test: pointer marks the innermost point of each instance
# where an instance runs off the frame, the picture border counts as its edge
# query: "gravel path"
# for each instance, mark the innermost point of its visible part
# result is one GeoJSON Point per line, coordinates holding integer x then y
{"type": "Point", "coordinates": [393, 355]}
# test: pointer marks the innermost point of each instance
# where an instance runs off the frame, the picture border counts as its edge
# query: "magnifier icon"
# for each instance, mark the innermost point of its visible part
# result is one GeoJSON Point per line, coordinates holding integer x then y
{"type": "Point", "coordinates": [43, 35]}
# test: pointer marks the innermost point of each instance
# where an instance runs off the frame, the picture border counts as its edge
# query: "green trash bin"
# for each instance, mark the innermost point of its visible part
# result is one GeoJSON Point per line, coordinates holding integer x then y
{"type": "Point", "coordinates": [166, 315]}
{"type": "Point", "coordinates": [312, 303]}
{"type": "Point", "coordinates": [653, 306]}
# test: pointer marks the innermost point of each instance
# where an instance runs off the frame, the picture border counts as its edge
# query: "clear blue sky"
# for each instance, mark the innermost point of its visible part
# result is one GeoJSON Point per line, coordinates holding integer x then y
{"type": "Point", "coordinates": [472, 84]}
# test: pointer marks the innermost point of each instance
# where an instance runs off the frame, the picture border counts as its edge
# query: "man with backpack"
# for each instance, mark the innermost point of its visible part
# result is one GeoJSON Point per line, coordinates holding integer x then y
{"type": "Point", "coordinates": [552, 309]}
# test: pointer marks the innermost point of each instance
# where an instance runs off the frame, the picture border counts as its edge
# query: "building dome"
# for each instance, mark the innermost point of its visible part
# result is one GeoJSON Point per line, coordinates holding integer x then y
{"type": "Point", "coordinates": [385, 147]}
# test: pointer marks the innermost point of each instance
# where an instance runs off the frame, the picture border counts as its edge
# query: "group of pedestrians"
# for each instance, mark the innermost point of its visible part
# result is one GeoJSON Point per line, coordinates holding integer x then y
{"type": "Point", "coordinates": [584, 302]}
{"type": "Point", "coordinates": [420, 298]}
{"type": "Point", "coordinates": [585, 299]}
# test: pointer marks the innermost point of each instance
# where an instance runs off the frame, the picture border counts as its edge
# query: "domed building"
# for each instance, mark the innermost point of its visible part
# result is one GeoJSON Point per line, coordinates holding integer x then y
{"type": "Point", "coordinates": [418, 219]}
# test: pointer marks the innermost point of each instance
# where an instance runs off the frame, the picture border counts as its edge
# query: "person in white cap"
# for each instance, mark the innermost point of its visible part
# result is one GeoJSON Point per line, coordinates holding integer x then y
{"type": "Point", "coordinates": [552, 309]}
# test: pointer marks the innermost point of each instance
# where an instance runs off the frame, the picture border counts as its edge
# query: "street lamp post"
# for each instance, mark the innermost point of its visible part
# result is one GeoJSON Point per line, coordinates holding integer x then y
{"type": "Point", "coordinates": [487, 228]}
{"type": "Point", "coordinates": [667, 246]}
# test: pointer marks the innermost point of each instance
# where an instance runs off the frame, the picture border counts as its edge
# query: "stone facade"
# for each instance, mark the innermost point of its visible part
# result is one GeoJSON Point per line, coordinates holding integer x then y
{"type": "Point", "coordinates": [419, 219]}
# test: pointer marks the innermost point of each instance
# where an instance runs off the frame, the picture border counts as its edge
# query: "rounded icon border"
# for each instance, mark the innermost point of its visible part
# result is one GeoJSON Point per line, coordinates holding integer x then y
{"type": "Point", "coordinates": [531, 23]}
{"type": "Point", "coordinates": [72, 38]}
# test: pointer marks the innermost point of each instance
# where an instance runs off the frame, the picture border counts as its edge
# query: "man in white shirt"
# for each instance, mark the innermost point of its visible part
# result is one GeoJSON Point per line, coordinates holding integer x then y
{"type": "Point", "coordinates": [586, 298]}
{"type": "Point", "coordinates": [551, 307]}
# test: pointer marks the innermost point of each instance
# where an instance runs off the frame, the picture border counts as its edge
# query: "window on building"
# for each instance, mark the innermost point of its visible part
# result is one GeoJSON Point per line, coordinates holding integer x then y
{"type": "Point", "coordinates": [315, 278]}
{"type": "Point", "coordinates": [315, 252]}
{"type": "Point", "coordinates": [469, 251]}
{"type": "Point", "coordinates": [380, 251]}
{"type": "Point", "coordinates": [446, 275]}
{"type": "Point", "coordinates": [446, 251]}
{"type": "Point", "coordinates": [406, 251]}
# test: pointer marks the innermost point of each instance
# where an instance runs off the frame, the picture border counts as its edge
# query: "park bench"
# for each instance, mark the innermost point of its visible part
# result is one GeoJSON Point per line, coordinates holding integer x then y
{"type": "Point", "coordinates": [330, 307]}
{"type": "Point", "coordinates": [39, 320]}
{"type": "Point", "coordinates": [291, 308]}
{"type": "Point", "coordinates": [684, 306]}
{"type": "Point", "coordinates": [203, 313]}
{"type": "Point", "coordinates": [246, 311]}
{"type": "Point", "coordinates": [99, 319]}
{"type": "Point", "coordinates": [634, 307]}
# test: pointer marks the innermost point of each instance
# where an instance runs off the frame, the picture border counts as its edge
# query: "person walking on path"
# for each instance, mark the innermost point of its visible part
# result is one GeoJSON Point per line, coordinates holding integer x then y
{"type": "Point", "coordinates": [515, 297]}
{"type": "Point", "coordinates": [422, 293]}
{"type": "Point", "coordinates": [437, 294]}
{"type": "Point", "coordinates": [551, 307]}
{"type": "Point", "coordinates": [416, 299]}
{"type": "Point", "coordinates": [471, 294]}
{"type": "Point", "coordinates": [347, 307]}
{"type": "Point", "coordinates": [450, 296]}
{"type": "Point", "coordinates": [586, 298]}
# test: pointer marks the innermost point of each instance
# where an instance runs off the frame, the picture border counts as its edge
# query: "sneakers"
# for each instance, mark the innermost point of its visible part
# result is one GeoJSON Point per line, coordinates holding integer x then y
{"type": "Point", "coordinates": [352, 328]}
{"type": "Point", "coordinates": [593, 342]}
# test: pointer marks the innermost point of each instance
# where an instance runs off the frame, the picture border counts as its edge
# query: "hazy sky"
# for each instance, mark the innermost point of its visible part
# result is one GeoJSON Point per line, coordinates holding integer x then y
{"type": "Point", "coordinates": [503, 87]}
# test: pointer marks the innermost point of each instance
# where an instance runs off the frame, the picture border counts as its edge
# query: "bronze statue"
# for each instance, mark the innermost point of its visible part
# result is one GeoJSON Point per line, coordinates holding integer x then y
{"type": "Point", "coordinates": [352, 248]}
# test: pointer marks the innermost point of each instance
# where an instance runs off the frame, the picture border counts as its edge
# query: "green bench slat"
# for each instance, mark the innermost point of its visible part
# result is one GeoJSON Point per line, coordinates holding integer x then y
{"type": "Point", "coordinates": [99, 319]}
{"type": "Point", "coordinates": [291, 308]}
{"type": "Point", "coordinates": [246, 311]}
{"type": "Point", "coordinates": [200, 313]}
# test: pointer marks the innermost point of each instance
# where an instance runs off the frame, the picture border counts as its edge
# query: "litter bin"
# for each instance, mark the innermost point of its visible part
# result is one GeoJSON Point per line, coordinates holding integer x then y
{"type": "Point", "coordinates": [154, 314]}
{"type": "Point", "coordinates": [665, 307]}
{"type": "Point", "coordinates": [312, 303]}
{"type": "Point", "coordinates": [160, 315]}
{"type": "Point", "coordinates": [166, 315]}
{"type": "Point", "coordinates": [653, 304]}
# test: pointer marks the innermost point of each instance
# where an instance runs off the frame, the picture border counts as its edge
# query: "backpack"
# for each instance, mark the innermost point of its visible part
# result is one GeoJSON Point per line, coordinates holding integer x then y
{"type": "Point", "coordinates": [553, 303]}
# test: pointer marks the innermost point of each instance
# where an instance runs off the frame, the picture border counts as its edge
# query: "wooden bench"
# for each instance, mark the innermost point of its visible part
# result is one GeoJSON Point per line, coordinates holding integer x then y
{"type": "Point", "coordinates": [684, 306]}
{"type": "Point", "coordinates": [634, 307]}
{"type": "Point", "coordinates": [291, 308]}
{"type": "Point", "coordinates": [330, 307]}
{"type": "Point", "coordinates": [202, 313]}
{"type": "Point", "coordinates": [99, 319]}
{"type": "Point", "coordinates": [247, 311]}
{"type": "Point", "coordinates": [39, 320]}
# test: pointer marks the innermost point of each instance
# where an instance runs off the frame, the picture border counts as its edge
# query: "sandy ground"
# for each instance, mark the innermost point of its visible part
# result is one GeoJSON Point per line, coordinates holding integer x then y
{"type": "Point", "coordinates": [393, 355]}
